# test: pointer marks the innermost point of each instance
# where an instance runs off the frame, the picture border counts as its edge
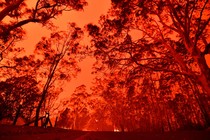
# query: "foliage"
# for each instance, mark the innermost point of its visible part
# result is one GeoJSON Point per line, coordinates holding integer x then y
{"type": "Point", "coordinates": [154, 51]}
{"type": "Point", "coordinates": [17, 91]}
{"type": "Point", "coordinates": [54, 60]}
{"type": "Point", "coordinates": [75, 116]}
{"type": "Point", "coordinates": [19, 13]}
{"type": "Point", "coordinates": [53, 63]}
{"type": "Point", "coordinates": [58, 51]}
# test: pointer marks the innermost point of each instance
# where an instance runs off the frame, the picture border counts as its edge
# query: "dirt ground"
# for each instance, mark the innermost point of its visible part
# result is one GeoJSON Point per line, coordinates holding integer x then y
{"type": "Point", "coordinates": [35, 133]}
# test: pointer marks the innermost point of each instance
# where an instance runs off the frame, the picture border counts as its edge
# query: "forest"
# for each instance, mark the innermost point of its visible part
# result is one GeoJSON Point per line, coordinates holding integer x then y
{"type": "Point", "coordinates": [151, 72]}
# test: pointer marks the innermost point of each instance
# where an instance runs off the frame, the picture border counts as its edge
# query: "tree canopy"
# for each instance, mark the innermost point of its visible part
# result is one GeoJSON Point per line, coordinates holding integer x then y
{"type": "Point", "coordinates": [152, 55]}
{"type": "Point", "coordinates": [150, 74]}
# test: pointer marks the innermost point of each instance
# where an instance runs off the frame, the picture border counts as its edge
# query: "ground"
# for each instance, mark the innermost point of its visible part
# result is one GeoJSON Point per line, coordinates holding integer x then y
{"type": "Point", "coordinates": [35, 133]}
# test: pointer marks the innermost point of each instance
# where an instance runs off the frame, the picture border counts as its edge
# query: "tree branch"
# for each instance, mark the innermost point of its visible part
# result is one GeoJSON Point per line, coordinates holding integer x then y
{"type": "Point", "coordinates": [165, 70]}
{"type": "Point", "coordinates": [164, 24]}
{"type": "Point", "coordinates": [173, 11]}
{"type": "Point", "coordinates": [19, 24]}
{"type": "Point", "coordinates": [9, 8]}
{"type": "Point", "coordinates": [199, 32]}
{"type": "Point", "coordinates": [200, 29]}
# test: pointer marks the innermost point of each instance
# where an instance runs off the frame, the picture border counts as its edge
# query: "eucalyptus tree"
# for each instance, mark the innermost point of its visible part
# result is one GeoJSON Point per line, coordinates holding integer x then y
{"type": "Point", "coordinates": [161, 45]}
{"type": "Point", "coordinates": [58, 55]}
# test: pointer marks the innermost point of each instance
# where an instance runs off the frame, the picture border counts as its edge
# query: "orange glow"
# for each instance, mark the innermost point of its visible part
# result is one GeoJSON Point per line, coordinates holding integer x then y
{"type": "Point", "coordinates": [149, 71]}
{"type": "Point", "coordinates": [91, 14]}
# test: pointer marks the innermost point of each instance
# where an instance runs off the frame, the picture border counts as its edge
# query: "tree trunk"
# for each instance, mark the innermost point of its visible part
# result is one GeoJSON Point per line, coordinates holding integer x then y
{"type": "Point", "coordinates": [17, 114]}
{"type": "Point", "coordinates": [53, 67]}
{"type": "Point", "coordinates": [202, 106]}
{"type": "Point", "coordinates": [169, 123]}
{"type": "Point", "coordinates": [56, 121]}
{"type": "Point", "coordinates": [36, 123]}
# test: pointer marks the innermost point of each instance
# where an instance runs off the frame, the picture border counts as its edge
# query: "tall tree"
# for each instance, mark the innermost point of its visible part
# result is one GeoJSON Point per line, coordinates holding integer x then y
{"type": "Point", "coordinates": [78, 105]}
{"type": "Point", "coordinates": [160, 47]}
{"type": "Point", "coordinates": [76, 114]}
{"type": "Point", "coordinates": [58, 52]}
{"type": "Point", "coordinates": [54, 61]}
{"type": "Point", "coordinates": [171, 37]}
{"type": "Point", "coordinates": [14, 14]}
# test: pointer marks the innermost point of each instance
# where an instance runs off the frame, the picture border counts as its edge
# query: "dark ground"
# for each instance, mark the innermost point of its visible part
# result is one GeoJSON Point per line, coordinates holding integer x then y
{"type": "Point", "coordinates": [33, 133]}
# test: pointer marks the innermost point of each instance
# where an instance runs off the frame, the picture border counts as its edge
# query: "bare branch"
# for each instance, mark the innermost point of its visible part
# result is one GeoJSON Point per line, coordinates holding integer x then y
{"type": "Point", "coordinates": [174, 12]}
{"type": "Point", "coordinates": [7, 46]}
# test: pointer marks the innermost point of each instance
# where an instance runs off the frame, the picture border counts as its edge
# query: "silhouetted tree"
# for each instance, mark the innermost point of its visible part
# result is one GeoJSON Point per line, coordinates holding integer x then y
{"type": "Point", "coordinates": [17, 13]}
{"type": "Point", "coordinates": [18, 91]}
{"type": "Point", "coordinates": [158, 48]}
{"type": "Point", "coordinates": [64, 119]}
{"type": "Point", "coordinates": [58, 52]}
{"type": "Point", "coordinates": [173, 47]}
{"type": "Point", "coordinates": [78, 105]}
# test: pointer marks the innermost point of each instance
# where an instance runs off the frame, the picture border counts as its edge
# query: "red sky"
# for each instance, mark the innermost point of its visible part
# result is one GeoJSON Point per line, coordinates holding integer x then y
{"type": "Point", "coordinates": [90, 14]}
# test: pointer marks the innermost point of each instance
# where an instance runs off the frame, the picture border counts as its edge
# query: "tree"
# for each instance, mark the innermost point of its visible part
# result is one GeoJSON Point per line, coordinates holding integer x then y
{"type": "Point", "coordinates": [181, 40]}
{"type": "Point", "coordinates": [78, 105]}
{"type": "Point", "coordinates": [112, 102]}
{"type": "Point", "coordinates": [58, 52]}
{"type": "Point", "coordinates": [159, 46]}
{"type": "Point", "coordinates": [17, 13]}
{"type": "Point", "coordinates": [75, 114]}
{"type": "Point", "coordinates": [54, 62]}
{"type": "Point", "coordinates": [64, 120]}
{"type": "Point", "coordinates": [146, 104]}
{"type": "Point", "coordinates": [18, 91]}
